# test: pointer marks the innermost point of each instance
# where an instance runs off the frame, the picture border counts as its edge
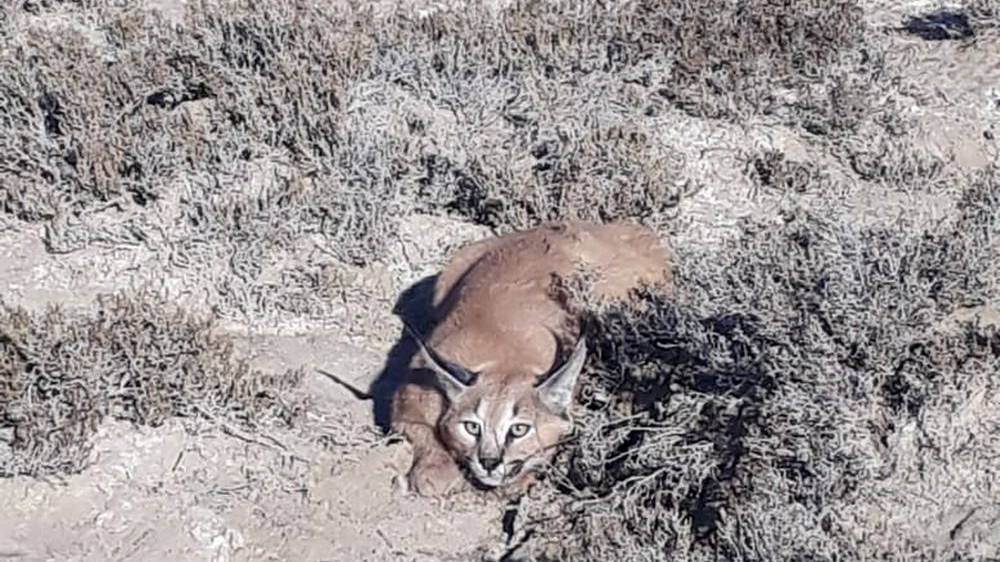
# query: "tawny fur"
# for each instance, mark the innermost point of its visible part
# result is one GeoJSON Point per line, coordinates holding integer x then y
{"type": "Point", "coordinates": [495, 314]}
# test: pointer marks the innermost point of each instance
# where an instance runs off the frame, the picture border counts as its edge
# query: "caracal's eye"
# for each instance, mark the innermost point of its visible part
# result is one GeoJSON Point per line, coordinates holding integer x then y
{"type": "Point", "coordinates": [472, 427]}
{"type": "Point", "coordinates": [519, 430]}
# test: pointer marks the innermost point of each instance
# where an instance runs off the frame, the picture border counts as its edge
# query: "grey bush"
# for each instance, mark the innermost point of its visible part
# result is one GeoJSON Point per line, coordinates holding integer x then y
{"type": "Point", "coordinates": [502, 118]}
{"type": "Point", "coordinates": [138, 359]}
{"type": "Point", "coordinates": [793, 398]}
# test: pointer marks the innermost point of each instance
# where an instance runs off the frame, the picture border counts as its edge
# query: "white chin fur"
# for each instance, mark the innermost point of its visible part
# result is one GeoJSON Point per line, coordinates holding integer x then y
{"type": "Point", "coordinates": [490, 481]}
{"type": "Point", "coordinates": [493, 480]}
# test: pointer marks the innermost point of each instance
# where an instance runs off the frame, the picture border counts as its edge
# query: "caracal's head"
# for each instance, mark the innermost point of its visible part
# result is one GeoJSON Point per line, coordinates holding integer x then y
{"type": "Point", "coordinates": [502, 428]}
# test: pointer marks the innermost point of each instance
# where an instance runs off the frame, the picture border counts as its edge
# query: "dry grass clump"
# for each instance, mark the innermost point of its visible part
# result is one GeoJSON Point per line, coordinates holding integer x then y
{"type": "Point", "coordinates": [533, 113]}
{"type": "Point", "coordinates": [248, 135]}
{"type": "Point", "coordinates": [810, 63]}
{"type": "Point", "coordinates": [137, 359]}
{"type": "Point", "coordinates": [774, 170]}
{"type": "Point", "coordinates": [505, 116]}
{"type": "Point", "coordinates": [984, 15]}
{"type": "Point", "coordinates": [112, 108]}
{"type": "Point", "coordinates": [810, 393]}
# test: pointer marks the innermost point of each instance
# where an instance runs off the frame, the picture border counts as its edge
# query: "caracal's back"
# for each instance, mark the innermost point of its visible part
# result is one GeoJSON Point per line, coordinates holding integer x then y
{"type": "Point", "coordinates": [498, 289]}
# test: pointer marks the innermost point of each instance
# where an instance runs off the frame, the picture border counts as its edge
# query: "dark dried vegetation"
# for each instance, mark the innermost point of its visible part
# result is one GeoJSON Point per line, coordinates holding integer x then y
{"type": "Point", "coordinates": [805, 383]}
{"type": "Point", "coordinates": [504, 120]}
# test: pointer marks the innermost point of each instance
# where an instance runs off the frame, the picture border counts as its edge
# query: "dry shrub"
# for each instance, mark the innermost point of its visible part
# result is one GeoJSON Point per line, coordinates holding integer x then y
{"type": "Point", "coordinates": [137, 359]}
{"type": "Point", "coordinates": [889, 164]}
{"type": "Point", "coordinates": [506, 117]}
{"type": "Point", "coordinates": [984, 15]}
{"type": "Point", "coordinates": [890, 159]}
{"type": "Point", "coordinates": [811, 63]}
{"type": "Point", "coordinates": [252, 134]}
{"type": "Point", "coordinates": [111, 107]}
{"type": "Point", "coordinates": [611, 174]}
{"type": "Point", "coordinates": [75, 134]}
{"type": "Point", "coordinates": [807, 394]}
{"type": "Point", "coordinates": [772, 169]}
{"type": "Point", "coordinates": [552, 109]}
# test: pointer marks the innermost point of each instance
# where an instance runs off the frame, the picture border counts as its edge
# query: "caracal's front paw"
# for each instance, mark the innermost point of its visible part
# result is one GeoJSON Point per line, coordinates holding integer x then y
{"type": "Point", "coordinates": [437, 476]}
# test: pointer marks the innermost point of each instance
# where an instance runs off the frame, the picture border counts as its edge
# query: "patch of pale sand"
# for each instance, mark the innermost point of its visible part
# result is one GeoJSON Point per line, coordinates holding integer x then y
{"type": "Point", "coordinates": [33, 278]}
{"type": "Point", "coordinates": [107, 510]}
{"type": "Point", "coordinates": [714, 157]}
{"type": "Point", "coordinates": [172, 11]}
{"type": "Point", "coordinates": [987, 316]}
{"type": "Point", "coordinates": [954, 90]}
{"type": "Point", "coordinates": [710, 158]}
{"type": "Point", "coordinates": [171, 494]}
{"type": "Point", "coordinates": [361, 312]}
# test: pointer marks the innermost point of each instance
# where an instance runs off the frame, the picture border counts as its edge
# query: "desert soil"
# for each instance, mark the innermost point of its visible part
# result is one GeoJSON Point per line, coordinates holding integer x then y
{"type": "Point", "coordinates": [325, 491]}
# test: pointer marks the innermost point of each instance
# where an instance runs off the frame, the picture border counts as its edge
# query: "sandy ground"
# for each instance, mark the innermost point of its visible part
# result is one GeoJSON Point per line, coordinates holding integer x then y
{"type": "Point", "coordinates": [325, 491]}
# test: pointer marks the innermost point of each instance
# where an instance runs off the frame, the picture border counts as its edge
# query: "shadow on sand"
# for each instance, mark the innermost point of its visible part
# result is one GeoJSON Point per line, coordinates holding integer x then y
{"type": "Point", "coordinates": [414, 306]}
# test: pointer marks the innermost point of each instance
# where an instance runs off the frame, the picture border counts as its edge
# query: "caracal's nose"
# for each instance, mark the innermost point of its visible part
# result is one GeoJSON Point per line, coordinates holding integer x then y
{"type": "Point", "coordinates": [489, 463]}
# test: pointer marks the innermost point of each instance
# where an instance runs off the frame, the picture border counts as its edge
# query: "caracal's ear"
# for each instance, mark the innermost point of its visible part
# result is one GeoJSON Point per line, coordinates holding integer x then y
{"type": "Point", "coordinates": [556, 392]}
{"type": "Point", "coordinates": [451, 378]}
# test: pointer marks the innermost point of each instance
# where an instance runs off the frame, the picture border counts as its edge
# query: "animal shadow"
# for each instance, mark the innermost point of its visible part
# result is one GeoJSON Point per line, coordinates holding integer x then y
{"type": "Point", "coordinates": [415, 307]}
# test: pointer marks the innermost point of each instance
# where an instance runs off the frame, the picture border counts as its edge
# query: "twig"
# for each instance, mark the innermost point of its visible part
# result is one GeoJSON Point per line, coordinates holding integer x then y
{"type": "Point", "coordinates": [358, 393]}
{"type": "Point", "coordinates": [231, 430]}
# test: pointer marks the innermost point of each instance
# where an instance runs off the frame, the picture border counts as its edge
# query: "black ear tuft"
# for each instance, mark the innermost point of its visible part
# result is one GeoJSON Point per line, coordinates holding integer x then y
{"type": "Point", "coordinates": [464, 376]}
{"type": "Point", "coordinates": [453, 379]}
